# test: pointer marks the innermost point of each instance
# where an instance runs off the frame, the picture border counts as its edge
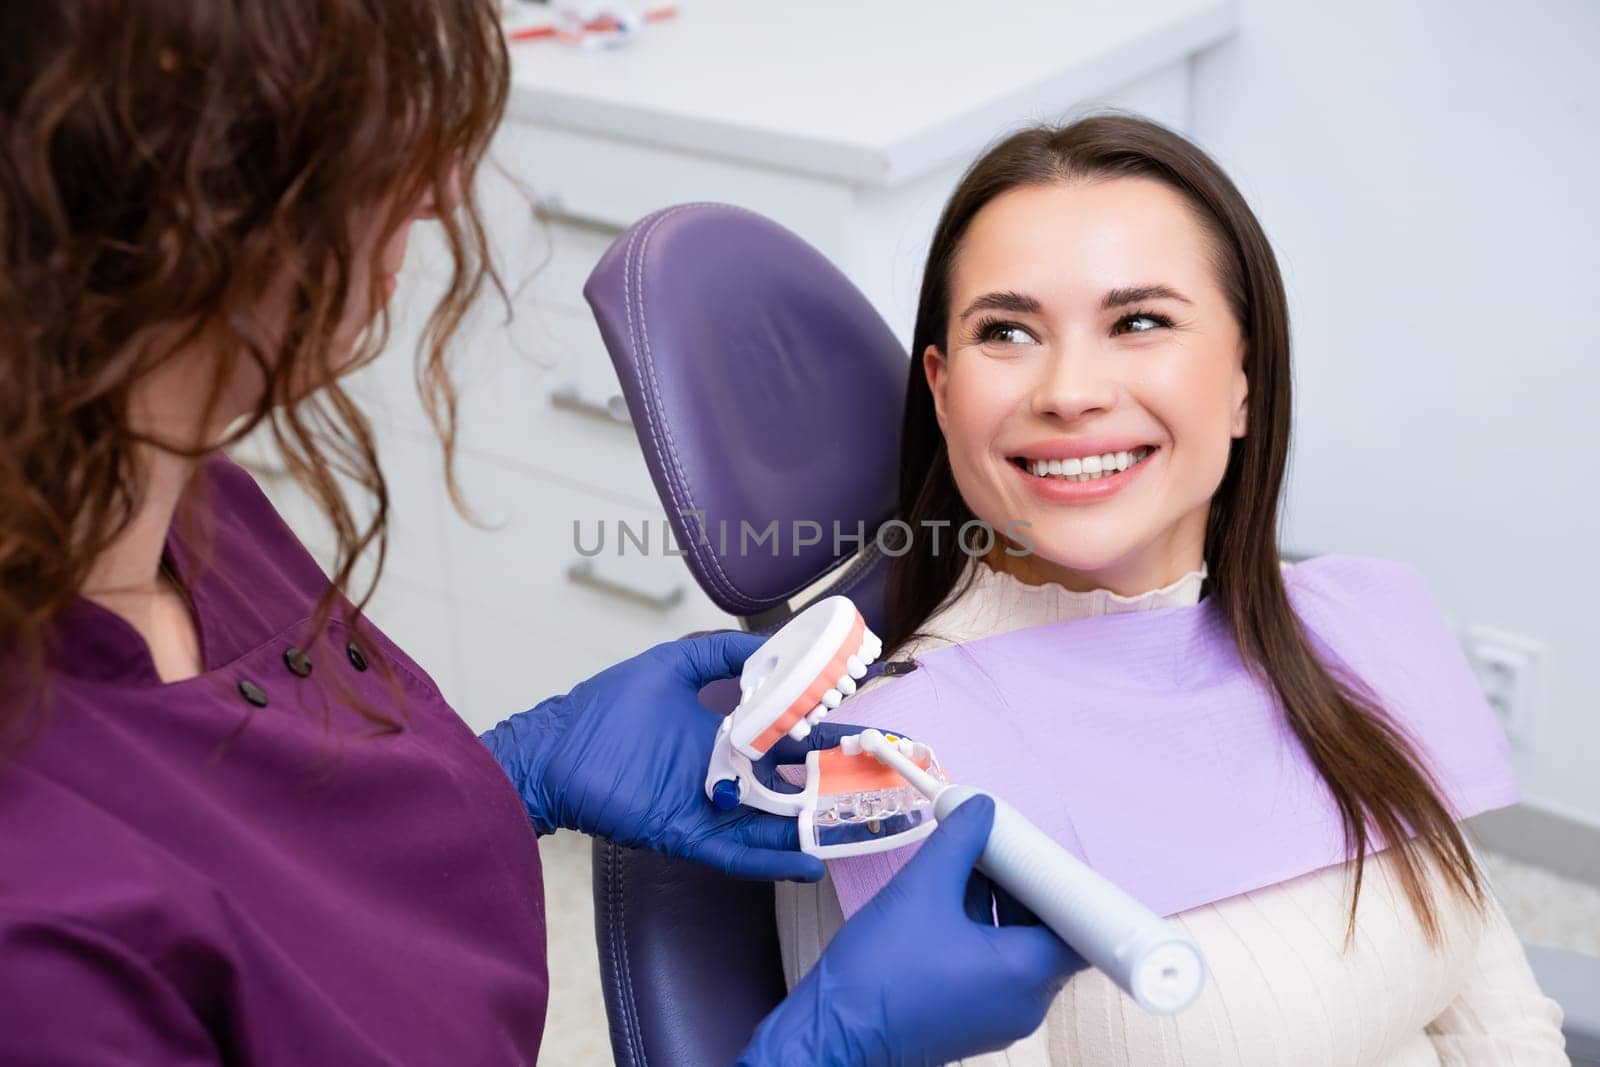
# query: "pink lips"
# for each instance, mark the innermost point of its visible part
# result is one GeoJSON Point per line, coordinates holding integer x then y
{"type": "Point", "coordinates": [1063, 491]}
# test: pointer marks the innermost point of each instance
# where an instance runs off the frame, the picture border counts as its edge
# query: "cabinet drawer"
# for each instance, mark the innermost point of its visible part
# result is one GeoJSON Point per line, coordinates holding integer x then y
{"type": "Point", "coordinates": [541, 395]}
{"type": "Point", "coordinates": [540, 256]}
{"type": "Point", "coordinates": [537, 393]}
{"type": "Point", "coordinates": [412, 469]}
{"type": "Point", "coordinates": [592, 586]}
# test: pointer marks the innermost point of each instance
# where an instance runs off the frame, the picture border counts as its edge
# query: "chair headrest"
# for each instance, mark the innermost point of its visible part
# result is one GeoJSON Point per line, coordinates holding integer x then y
{"type": "Point", "coordinates": [764, 389]}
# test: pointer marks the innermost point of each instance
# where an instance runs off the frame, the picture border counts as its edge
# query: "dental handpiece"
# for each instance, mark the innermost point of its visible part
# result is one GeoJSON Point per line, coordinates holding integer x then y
{"type": "Point", "coordinates": [1143, 953]}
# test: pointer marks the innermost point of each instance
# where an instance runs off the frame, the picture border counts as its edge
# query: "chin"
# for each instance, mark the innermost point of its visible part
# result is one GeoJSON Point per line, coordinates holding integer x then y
{"type": "Point", "coordinates": [1081, 550]}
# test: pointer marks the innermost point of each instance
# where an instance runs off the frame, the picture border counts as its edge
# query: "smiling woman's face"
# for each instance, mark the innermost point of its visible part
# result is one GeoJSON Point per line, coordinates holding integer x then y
{"type": "Point", "coordinates": [1086, 319]}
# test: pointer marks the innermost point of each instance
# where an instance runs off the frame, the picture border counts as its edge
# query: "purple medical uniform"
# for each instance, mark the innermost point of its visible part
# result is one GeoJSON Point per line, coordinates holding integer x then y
{"type": "Point", "coordinates": [240, 867]}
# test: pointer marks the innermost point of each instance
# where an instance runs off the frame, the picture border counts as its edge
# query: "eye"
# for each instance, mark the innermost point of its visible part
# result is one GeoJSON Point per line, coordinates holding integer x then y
{"type": "Point", "coordinates": [997, 331]}
{"type": "Point", "coordinates": [1140, 322]}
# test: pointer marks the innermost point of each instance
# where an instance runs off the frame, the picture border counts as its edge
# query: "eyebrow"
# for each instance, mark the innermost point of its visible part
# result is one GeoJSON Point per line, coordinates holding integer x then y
{"type": "Point", "coordinates": [1014, 302]}
{"type": "Point", "coordinates": [1137, 294]}
{"type": "Point", "coordinates": [1022, 304]}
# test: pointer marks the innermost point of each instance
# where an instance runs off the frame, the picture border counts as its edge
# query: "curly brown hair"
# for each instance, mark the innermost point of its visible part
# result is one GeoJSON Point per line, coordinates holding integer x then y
{"type": "Point", "coordinates": [168, 167]}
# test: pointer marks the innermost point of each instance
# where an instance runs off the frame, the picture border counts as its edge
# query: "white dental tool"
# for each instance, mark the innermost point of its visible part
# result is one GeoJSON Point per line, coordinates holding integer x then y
{"type": "Point", "coordinates": [1143, 953]}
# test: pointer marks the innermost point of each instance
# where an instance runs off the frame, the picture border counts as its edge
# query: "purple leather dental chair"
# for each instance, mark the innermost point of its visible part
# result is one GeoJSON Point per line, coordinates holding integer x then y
{"type": "Point", "coordinates": [763, 387]}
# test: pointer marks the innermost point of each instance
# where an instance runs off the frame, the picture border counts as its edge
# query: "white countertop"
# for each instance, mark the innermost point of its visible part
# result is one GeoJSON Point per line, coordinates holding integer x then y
{"type": "Point", "coordinates": [865, 91]}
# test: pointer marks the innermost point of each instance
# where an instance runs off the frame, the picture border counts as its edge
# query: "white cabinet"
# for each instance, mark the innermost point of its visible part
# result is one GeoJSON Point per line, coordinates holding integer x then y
{"type": "Point", "coordinates": [847, 123]}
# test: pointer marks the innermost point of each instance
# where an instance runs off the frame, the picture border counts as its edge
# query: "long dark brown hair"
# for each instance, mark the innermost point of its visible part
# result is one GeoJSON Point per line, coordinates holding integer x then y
{"type": "Point", "coordinates": [1370, 767]}
{"type": "Point", "coordinates": [161, 166]}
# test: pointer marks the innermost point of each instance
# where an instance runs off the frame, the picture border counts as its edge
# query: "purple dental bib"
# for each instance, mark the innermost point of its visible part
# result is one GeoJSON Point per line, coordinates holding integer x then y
{"type": "Point", "coordinates": [1143, 746]}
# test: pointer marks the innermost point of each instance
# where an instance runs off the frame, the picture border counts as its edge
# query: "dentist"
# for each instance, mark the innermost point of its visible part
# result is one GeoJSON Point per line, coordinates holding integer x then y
{"type": "Point", "coordinates": [237, 823]}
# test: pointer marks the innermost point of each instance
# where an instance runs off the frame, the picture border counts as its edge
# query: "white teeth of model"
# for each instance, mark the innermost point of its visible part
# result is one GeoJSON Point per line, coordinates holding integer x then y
{"type": "Point", "coordinates": [832, 697]}
{"type": "Point", "coordinates": [800, 730]}
{"type": "Point", "coordinates": [855, 667]}
{"type": "Point", "coordinates": [1091, 464]}
{"type": "Point", "coordinates": [817, 716]}
{"type": "Point", "coordinates": [845, 684]}
{"type": "Point", "coordinates": [907, 746]}
{"type": "Point", "coordinates": [1124, 461]}
{"type": "Point", "coordinates": [851, 744]}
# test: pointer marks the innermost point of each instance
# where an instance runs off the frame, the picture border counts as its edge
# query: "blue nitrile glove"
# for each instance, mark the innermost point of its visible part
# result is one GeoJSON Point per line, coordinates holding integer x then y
{"type": "Point", "coordinates": [623, 756]}
{"type": "Point", "coordinates": [920, 975]}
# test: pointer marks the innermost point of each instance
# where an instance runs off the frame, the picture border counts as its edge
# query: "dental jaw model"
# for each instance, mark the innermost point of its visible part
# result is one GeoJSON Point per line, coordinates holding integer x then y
{"type": "Point", "coordinates": [851, 803]}
{"type": "Point", "coordinates": [877, 791]}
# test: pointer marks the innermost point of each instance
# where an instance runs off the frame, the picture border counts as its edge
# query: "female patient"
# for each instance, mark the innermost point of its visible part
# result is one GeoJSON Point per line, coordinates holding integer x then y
{"type": "Point", "coordinates": [1099, 297]}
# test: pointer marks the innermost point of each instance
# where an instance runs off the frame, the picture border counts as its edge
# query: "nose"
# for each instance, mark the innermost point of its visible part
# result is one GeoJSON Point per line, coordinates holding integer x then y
{"type": "Point", "coordinates": [1073, 384]}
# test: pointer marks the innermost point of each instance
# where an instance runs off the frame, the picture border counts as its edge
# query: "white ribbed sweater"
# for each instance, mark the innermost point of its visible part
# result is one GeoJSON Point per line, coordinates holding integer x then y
{"type": "Point", "coordinates": [1282, 989]}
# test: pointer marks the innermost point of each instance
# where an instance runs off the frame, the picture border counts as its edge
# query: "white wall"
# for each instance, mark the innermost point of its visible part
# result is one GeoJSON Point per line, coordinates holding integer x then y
{"type": "Point", "coordinates": [1428, 175]}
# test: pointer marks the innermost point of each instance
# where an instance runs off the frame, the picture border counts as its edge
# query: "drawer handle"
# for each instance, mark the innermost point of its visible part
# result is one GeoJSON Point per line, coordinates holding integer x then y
{"type": "Point", "coordinates": [612, 409]}
{"type": "Point", "coordinates": [583, 573]}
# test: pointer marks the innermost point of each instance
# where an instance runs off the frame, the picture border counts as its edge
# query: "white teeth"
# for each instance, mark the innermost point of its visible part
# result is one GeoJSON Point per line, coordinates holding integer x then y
{"type": "Point", "coordinates": [800, 730]}
{"type": "Point", "coordinates": [1089, 468]}
{"type": "Point", "coordinates": [832, 698]}
{"type": "Point", "coordinates": [845, 684]}
{"type": "Point", "coordinates": [817, 715]}
{"type": "Point", "coordinates": [855, 667]}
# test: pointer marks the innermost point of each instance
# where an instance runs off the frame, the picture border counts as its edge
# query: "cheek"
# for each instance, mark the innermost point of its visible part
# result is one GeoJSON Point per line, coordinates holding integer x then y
{"type": "Point", "coordinates": [1193, 400]}
{"type": "Point", "coordinates": [975, 408]}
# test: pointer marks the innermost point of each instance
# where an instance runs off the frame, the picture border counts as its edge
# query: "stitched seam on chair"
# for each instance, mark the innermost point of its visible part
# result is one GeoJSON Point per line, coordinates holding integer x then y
{"type": "Point", "coordinates": [677, 482]}
{"type": "Point", "coordinates": [676, 479]}
{"type": "Point", "coordinates": [632, 1026]}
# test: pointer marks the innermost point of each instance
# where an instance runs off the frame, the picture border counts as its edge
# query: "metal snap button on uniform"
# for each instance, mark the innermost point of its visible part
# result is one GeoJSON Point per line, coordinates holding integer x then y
{"type": "Point", "coordinates": [253, 693]}
{"type": "Point", "coordinates": [298, 662]}
{"type": "Point", "coordinates": [357, 660]}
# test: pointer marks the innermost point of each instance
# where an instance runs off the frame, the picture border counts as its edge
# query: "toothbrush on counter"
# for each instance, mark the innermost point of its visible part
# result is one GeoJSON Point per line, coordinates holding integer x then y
{"type": "Point", "coordinates": [1144, 954]}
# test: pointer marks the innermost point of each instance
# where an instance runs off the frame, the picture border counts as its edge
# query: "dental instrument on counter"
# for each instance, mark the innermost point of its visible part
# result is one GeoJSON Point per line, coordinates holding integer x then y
{"type": "Point", "coordinates": [591, 23]}
{"type": "Point", "coordinates": [876, 791]}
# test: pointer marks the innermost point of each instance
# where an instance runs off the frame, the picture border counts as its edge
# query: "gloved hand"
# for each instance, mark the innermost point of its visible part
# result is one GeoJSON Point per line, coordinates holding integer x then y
{"type": "Point", "coordinates": [920, 975]}
{"type": "Point", "coordinates": [623, 756]}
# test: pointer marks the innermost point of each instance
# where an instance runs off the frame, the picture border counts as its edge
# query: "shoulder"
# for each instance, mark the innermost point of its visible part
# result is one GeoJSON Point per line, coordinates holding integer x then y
{"type": "Point", "coordinates": [1378, 588]}
{"type": "Point", "coordinates": [1346, 571]}
{"type": "Point", "coordinates": [240, 514]}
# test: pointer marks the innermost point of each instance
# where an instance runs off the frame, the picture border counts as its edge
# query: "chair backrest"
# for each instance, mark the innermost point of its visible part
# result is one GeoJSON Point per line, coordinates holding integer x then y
{"type": "Point", "coordinates": [764, 388]}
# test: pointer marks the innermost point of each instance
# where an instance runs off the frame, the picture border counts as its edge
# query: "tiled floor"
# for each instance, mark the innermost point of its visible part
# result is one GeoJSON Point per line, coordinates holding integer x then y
{"type": "Point", "coordinates": [1545, 909]}
{"type": "Point", "coordinates": [575, 1033]}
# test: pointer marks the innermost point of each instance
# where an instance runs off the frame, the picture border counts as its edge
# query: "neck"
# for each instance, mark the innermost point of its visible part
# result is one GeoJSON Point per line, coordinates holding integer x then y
{"type": "Point", "coordinates": [130, 566]}
{"type": "Point", "coordinates": [1131, 576]}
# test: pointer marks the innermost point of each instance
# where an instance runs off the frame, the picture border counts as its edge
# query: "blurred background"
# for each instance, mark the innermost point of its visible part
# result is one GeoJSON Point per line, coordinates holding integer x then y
{"type": "Point", "coordinates": [1426, 172]}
